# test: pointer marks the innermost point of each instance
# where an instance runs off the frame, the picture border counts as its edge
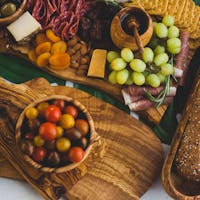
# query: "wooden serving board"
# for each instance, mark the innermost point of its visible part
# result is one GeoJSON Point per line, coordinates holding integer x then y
{"type": "Point", "coordinates": [122, 164]}
{"type": "Point", "coordinates": [154, 115]}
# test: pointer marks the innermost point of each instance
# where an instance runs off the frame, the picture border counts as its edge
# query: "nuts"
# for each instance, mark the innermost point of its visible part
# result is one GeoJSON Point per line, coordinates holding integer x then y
{"type": "Point", "coordinates": [80, 54]}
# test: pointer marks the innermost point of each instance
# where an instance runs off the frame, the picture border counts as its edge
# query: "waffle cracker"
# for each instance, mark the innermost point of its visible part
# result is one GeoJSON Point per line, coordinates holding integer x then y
{"type": "Point", "coordinates": [161, 8]}
{"type": "Point", "coordinates": [194, 43]}
{"type": "Point", "coordinates": [195, 26]}
{"type": "Point", "coordinates": [148, 5]}
{"type": "Point", "coordinates": [181, 17]}
{"type": "Point", "coordinates": [171, 7]}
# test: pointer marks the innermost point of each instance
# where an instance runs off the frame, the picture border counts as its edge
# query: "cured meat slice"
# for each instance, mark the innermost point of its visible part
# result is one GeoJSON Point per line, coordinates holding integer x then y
{"type": "Point", "coordinates": [145, 104]}
{"type": "Point", "coordinates": [181, 59]}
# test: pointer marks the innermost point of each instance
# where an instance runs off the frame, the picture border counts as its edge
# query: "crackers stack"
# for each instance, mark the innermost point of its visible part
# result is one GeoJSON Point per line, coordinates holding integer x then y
{"type": "Point", "coordinates": [186, 15]}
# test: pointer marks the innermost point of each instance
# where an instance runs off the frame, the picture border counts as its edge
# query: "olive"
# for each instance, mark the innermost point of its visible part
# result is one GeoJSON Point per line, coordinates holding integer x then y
{"type": "Point", "coordinates": [73, 133]}
{"type": "Point", "coordinates": [33, 124]}
{"type": "Point", "coordinates": [8, 9]}
{"type": "Point", "coordinates": [27, 147]}
{"type": "Point", "coordinates": [50, 145]}
{"type": "Point", "coordinates": [53, 159]}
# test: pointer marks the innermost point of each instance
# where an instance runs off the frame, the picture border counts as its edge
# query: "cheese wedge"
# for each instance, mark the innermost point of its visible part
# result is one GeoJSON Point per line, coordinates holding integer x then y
{"type": "Point", "coordinates": [24, 27]}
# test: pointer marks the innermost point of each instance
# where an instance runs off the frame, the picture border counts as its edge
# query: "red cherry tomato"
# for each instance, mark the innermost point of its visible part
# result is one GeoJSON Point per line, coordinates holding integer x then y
{"type": "Point", "coordinates": [76, 154]}
{"type": "Point", "coordinates": [52, 113]}
{"type": "Point", "coordinates": [48, 131]}
{"type": "Point", "coordinates": [71, 110]}
{"type": "Point", "coordinates": [39, 154]}
{"type": "Point", "coordinates": [60, 103]}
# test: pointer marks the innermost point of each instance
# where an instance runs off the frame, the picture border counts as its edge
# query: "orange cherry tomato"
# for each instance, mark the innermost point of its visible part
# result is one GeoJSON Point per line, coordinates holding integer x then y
{"type": "Point", "coordinates": [76, 154]}
{"type": "Point", "coordinates": [52, 113]}
{"type": "Point", "coordinates": [71, 110]}
{"type": "Point", "coordinates": [82, 125]}
{"type": "Point", "coordinates": [48, 131]}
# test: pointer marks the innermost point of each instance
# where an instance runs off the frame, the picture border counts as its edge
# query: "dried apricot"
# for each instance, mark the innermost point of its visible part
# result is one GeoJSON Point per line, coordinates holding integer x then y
{"type": "Point", "coordinates": [51, 36]}
{"type": "Point", "coordinates": [61, 59]}
{"type": "Point", "coordinates": [43, 59]}
{"type": "Point", "coordinates": [40, 38]}
{"type": "Point", "coordinates": [43, 47]}
{"type": "Point", "coordinates": [59, 47]}
{"type": "Point", "coordinates": [58, 67]}
{"type": "Point", "coordinates": [32, 55]}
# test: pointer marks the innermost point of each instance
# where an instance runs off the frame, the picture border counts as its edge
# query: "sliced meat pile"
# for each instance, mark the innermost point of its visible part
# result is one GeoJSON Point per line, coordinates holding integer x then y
{"type": "Point", "coordinates": [135, 96]}
{"type": "Point", "coordinates": [62, 16]}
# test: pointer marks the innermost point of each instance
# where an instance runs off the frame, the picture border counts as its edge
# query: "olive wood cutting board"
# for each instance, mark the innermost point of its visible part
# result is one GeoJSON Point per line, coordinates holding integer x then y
{"type": "Point", "coordinates": [154, 115]}
{"type": "Point", "coordinates": [122, 164]}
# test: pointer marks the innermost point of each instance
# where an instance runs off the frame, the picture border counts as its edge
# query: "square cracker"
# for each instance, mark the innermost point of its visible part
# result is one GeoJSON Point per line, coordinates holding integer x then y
{"type": "Point", "coordinates": [171, 7]}
{"type": "Point", "coordinates": [161, 8]}
{"type": "Point", "coordinates": [195, 26]}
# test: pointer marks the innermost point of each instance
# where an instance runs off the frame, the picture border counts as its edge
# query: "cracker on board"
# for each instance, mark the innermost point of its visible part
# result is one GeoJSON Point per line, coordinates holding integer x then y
{"type": "Point", "coordinates": [183, 12]}
{"type": "Point", "coordinates": [194, 43]}
{"type": "Point", "coordinates": [161, 8]}
{"type": "Point", "coordinates": [171, 7]}
{"type": "Point", "coordinates": [187, 14]}
{"type": "Point", "coordinates": [195, 26]}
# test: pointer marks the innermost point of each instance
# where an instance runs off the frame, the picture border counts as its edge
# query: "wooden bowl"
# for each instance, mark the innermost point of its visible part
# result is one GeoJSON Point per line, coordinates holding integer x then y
{"type": "Point", "coordinates": [121, 37]}
{"type": "Point", "coordinates": [93, 135]}
{"type": "Point", "coordinates": [11, 18]}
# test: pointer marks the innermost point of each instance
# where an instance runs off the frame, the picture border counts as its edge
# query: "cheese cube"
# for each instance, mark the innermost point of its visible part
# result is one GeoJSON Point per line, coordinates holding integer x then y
{"type": "Point", "coordinates": [24, 27]}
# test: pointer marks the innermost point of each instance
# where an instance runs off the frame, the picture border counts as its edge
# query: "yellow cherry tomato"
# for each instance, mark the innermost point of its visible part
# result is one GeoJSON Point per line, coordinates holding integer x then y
{"type": "Point", "coordinates": [31, 113]}
{"type": "Point", "coordinates": [67, 121]}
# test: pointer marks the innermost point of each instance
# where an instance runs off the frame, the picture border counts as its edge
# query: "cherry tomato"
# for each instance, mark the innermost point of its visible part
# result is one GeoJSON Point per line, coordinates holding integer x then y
{"type": "Point", "coordinates": [48, 131]}
{"type": "Point", "coordinates": [82, 125]}
{"type": "Point", "coordinates": [39, 154]}
{"type": "Point", "coordinates": [63, 144]}
{"type": "Point", "coordinates": [60, 131]}
{"type": "Point", "coordinates": [52, 113]}
{"type": "Point", "coordinates": [31, 113]}
{"type": "Point", "coordinates": [67, 121]}
{"type": "Point", "coordinates": [71, 110]}
{"type": "Point", "coordinates": [42, 107]}
{"type": "Point", "coordinates": [76, 154]}
{"type": "Point", "coordinates": [60, 103]}
{"type": "Point", "coordinates": [38, 141]}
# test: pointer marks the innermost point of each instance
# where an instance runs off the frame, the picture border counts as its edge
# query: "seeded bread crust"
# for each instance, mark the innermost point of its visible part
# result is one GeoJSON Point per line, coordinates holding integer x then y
{"type": "Point", "coordinates": [187, 160]}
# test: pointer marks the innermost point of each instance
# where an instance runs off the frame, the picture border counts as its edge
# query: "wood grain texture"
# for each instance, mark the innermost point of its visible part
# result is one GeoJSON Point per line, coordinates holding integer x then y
{"type": "Point", "coordinates": [122, 165]}
{"type": "Point", "coordinates": [179, 185]}
{"type": "Point", "coordinates": [7, 46]}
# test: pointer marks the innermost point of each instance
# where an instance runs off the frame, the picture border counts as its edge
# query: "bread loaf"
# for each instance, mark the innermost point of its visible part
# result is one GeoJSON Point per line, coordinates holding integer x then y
{"type": "Point", "coordinates": [187, 160]}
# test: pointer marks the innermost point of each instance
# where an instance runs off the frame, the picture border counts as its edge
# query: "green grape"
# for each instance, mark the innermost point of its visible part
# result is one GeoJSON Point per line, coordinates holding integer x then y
{"type": "Point", "coordinates": [172, 44]}
{"type": "Point", "coordinates": [168, 20]}
{"type": "Point", "coordinates": [111, 55]}
{"type": "Point", "coordinates": [137, 65]}
{"type": "Point", "coordinates": [161, 77]}
{"type": "Point", "coordinates": [127, 54]}
{"type": "Point", "coordinates": [129, 80]}
{"type": "Point", "coordinates": [138, 78]}
{"type": "Point", "coordinates": [173, 32]}
{"type": "Point", "coordinates": [154, 42]}
{"type": "Point", "coordinates": [145, 73]}
{"type": "Point", "coordinates": [174, 51]}
{"type": "Point", "coordinates": [161, 59]}
{"type": "Point", "coordinates": [118, 64]}
{"type": "Point", "coordinates": [122, 76]}
{"type": "Point", "coordinates": [161, 30]}
{"type": "Point", "coordinates": [159, 49]}
{"type": "Point", "coordinates": [154, 25]}
{"type": "Point", "coordinates": [153, 80]}
{"type": "Point", "coordinates": [147, 55]}
{"type": "Point", "coordinates": [112, 77]}
{"type": "Point", "coordinates": [166, 69]}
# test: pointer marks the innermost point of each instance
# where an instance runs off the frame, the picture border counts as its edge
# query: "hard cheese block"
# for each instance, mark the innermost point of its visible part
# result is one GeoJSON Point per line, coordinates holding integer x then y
{"type": "Point", "coordinates": [24, 27]}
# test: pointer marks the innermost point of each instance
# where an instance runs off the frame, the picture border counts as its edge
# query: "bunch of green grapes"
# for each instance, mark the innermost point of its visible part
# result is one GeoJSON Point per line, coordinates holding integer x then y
{"type": "Point", "coordinates": [153, 66]}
